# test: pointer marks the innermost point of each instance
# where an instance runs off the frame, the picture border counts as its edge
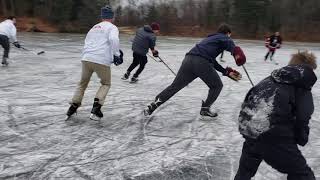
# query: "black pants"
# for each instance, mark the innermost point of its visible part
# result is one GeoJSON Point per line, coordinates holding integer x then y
{"type": "Point", "coordinates": [191, 68]}
{"type": "Point", "coordinates": [138, 60]}
{"type": "Point", "coordinates": [271, 53]}
{"type": "Point", "coordinates": [285, 157]}
{"type": "Point", "coordinates": [4, 41]}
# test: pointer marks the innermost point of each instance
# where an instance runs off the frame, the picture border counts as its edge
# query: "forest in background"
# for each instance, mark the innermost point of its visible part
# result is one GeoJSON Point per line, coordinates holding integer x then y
{"type": "Point", "coordinates": [295, 19]}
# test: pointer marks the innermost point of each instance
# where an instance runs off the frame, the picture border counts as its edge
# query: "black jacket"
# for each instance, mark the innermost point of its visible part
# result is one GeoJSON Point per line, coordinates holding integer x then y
{"type": "Point", "coordinates": [279, 107]}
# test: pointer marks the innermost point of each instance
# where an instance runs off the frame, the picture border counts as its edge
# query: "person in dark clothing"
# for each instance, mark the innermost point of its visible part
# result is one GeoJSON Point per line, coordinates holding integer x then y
{"type": "Point", "coordinates": [144, 40]}
{"type": "Point", "coordinates": [201, 62]}
{"type": "Point", "coordinates": [272, 43]}
{"type": "Point", "coordinates": [274, 120]}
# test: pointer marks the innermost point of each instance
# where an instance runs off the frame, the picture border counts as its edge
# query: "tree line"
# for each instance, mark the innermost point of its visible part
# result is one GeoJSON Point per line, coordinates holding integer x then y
{"type": "Point", "coordinates": [296, 19]}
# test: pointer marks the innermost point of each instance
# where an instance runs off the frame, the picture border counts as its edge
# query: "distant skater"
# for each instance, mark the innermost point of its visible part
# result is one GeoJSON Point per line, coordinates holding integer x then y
{"type": "Point", "coordinates": [273, 43]}
{"type": "Point", "coordinates": [144, 40]}
{"type": "Point", "coordinates": [274, 120]}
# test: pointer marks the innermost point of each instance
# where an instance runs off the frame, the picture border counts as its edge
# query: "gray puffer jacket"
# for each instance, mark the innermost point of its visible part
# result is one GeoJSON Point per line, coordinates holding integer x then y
{"type": "Point", "coordinates": [279, 108]}
{"type": "Point", "coordinates": [144, 39]}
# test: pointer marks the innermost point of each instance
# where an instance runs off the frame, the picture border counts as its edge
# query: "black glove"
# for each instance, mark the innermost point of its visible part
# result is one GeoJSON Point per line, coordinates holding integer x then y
{"type": "Point", "coordinates": [155, 53]}
{"type": "Point", "coordinates": [118, 60]}
{"type": "Point", "coordinates": [16, 44]}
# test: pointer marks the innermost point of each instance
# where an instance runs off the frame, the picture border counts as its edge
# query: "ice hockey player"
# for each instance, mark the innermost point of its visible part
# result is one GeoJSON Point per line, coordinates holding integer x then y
{"type": "Point", "coordinates": [272, 43]}
{"type": "Point", "coordinates": [144, 40]}
{"type": "Point", "coordinates": [274, 120]}
{"type": "Point", "coordinates": [101, 49]}
{"type": "Point", "coordinates": [8, 32]}
{"type": "Point", "coordinates": [201, 62]}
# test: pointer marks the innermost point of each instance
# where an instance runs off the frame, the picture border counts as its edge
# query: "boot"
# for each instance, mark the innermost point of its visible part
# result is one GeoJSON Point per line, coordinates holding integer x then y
{"type": "Point", "coordinates": [205, 111]}
{"type": "Point", "coordinates": [125, 76]}
{"type": "Point", "coordinates": [72, 110]}
{"type": "Point", "coordinates": [5, 61]}
{"type": "Point", "coordinates": [134, 79]}
{"type": "Point", "coordinates": [96, 113]}
{"type": "Point", "coordinates": [152, 107]}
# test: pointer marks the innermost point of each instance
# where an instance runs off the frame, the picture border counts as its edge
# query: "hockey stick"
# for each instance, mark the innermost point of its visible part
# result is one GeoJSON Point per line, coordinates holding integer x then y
{"type": "Point", "coordinates": [153, 58]}
{"type": "Point", "coordinates": [38, 53]}
{"type": "Point", "coordinates": [245, 70]}
{"type": "Point", "coordinates": [167, 66]}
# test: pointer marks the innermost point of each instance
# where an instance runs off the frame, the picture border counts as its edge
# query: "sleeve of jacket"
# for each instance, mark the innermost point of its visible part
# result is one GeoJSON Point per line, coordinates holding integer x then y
{"type": "Point", "coordinates": [152, 42]}
{"type": "Point", "coordinates": [114, 41]}
{"type": "Point", "coordinates": [303, 111]}
{"type": "Point", "coordinates": [229, 45]}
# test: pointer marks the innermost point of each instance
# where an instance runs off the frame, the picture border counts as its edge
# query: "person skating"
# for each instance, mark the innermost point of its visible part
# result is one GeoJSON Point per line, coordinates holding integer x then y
{"type": "Point", "coordinates": [101, 49]}
{"type": "Point", "coordinates": [273, 43]}
{"type": "Point", "coordinates": [274, 120]}
{"type": "Point", "coordinates": [201, 62]}
{"type": "Point", "coordinates": [144, 40]}
{"type": "Point", "coordinates": [8, 32]}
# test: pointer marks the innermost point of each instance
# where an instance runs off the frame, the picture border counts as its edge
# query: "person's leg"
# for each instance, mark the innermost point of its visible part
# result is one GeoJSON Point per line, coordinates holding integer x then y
{"type": "Point", "coordinates": [184, 77]}
{"type": "Point", "coordinates": [134, 64]}
{"type": "Point", "coordinates": [287, 159]}
{"type": "Point", "coordinates": [206, 72]}
{"type": "Point", "coordinates": [272, 53]}
{"type": "Point", "coordinates": [104, 73]}
{"type": "Point", "coordinates": [266, 56]}
{"type": "Point", "coordinates": [249, 161]}
{"type": "Point", "coordinates": [83, 84]}
{"type": "Point", "coordinates": [4, 41]}
{"type": "Point", "coordinates": [142, 62]}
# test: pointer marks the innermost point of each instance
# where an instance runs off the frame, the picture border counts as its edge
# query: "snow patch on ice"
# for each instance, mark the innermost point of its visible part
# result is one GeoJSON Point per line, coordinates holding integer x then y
{"type": "Point", "coordinates": [259, 122]}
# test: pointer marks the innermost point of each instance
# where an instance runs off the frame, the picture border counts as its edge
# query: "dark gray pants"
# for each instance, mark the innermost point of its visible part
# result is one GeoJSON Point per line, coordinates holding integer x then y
{"type": "Point", "coordinates": [284, 157]}
{"type": "Point", "coordinates": [4, 42]}
{"type": "Point", "coordinates": [191, 68]}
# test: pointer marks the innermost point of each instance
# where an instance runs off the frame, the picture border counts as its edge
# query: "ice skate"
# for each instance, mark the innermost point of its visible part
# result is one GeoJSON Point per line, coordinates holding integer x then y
{"type": "Point", "coordinates": [4, 62]}
{"type": "Point", "coordinates": [134, 80]}
{"type": "Point", "coordinates": [71, 111]}
{"type": "Point", "coordinates": [152, 107]}
{"type": "Point", "coordinates": [206, 114]}
{"type": "Point", "coordinates": [96, 113]}
{"type": "Point", "coordinates": [125, 76]}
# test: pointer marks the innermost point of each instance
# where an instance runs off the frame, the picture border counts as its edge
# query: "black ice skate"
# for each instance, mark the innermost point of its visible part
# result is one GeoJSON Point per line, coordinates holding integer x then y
{"type": "Point", "coordinates": [96, 113]}
{"type": "Point", "coordinates": [72, 110]}
{"type": "Point", "coordinates": [4, 62]}
{"type": "Point", "coordinates": [125, 76]}
{"type": "Point", "coordinates": [134, 80]}
{"type": "Point", "coordinates": [206, 113]}
{"type": "Point", "coordinates": [152, 107]}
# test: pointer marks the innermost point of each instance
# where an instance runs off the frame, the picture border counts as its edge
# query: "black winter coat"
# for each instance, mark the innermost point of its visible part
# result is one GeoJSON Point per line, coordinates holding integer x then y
{"type": "Point", "coordinates": [279, 108]}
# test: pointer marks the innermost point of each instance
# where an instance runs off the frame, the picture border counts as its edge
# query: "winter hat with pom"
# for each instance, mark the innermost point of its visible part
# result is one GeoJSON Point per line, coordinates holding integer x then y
{"type": "Point", "coordinates": [304, 58]}
{"type": "Point", "coordinates": [107, 13]}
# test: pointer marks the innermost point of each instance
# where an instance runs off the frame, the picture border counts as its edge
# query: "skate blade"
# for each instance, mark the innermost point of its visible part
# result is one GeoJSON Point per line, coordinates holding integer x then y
{"type": "Point", "coordinates": [208, 118]}
{"type": "Point", "coordinates": [146, 112]}
{"type": "Point", "coordinates": [67, 118]}
{"type": "Point", "coordinates": [123, 78]}
{"type": "Point", "coordinates": [95, 117]}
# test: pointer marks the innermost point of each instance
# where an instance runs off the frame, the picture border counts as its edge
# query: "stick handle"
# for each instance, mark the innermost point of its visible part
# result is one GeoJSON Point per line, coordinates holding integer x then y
{"type": "Point", "coordinates": [245, 70]}
{"type": "Point", "coordinates": [167, 66]}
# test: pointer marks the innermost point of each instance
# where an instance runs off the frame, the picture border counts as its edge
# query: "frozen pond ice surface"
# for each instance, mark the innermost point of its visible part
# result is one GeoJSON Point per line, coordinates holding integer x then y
{"type": "Point", "coordinates": [36, 142]}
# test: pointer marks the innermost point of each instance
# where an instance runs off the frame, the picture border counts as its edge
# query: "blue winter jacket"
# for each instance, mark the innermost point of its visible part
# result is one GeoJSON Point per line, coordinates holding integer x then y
{"type": "Point", "coordinates": [210, 47]}
{"type": "Point", "coordinates": [145, 38]}
{"type": "Point", "coordinates": [279, 108]}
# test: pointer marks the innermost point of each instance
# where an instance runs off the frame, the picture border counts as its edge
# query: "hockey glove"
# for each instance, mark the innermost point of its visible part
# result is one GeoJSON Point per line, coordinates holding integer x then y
{"type": "Point", "coordinates": [118, 60]}
{"type": "Point", "coordinates": [155, 53]}
{"type": "Point", "coordinates": [16, 44]}
{"type": "Point", "coordinates": [233, 74]}
{"type": "Point", "coordinates": [239, 56]}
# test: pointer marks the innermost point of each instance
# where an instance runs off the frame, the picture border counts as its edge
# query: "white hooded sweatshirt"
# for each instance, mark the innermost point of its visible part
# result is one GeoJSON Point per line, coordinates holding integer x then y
{"type": "Point", "coordinates": [8, 29]}
{"type": "Point", "coordinates": [101, 44]}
